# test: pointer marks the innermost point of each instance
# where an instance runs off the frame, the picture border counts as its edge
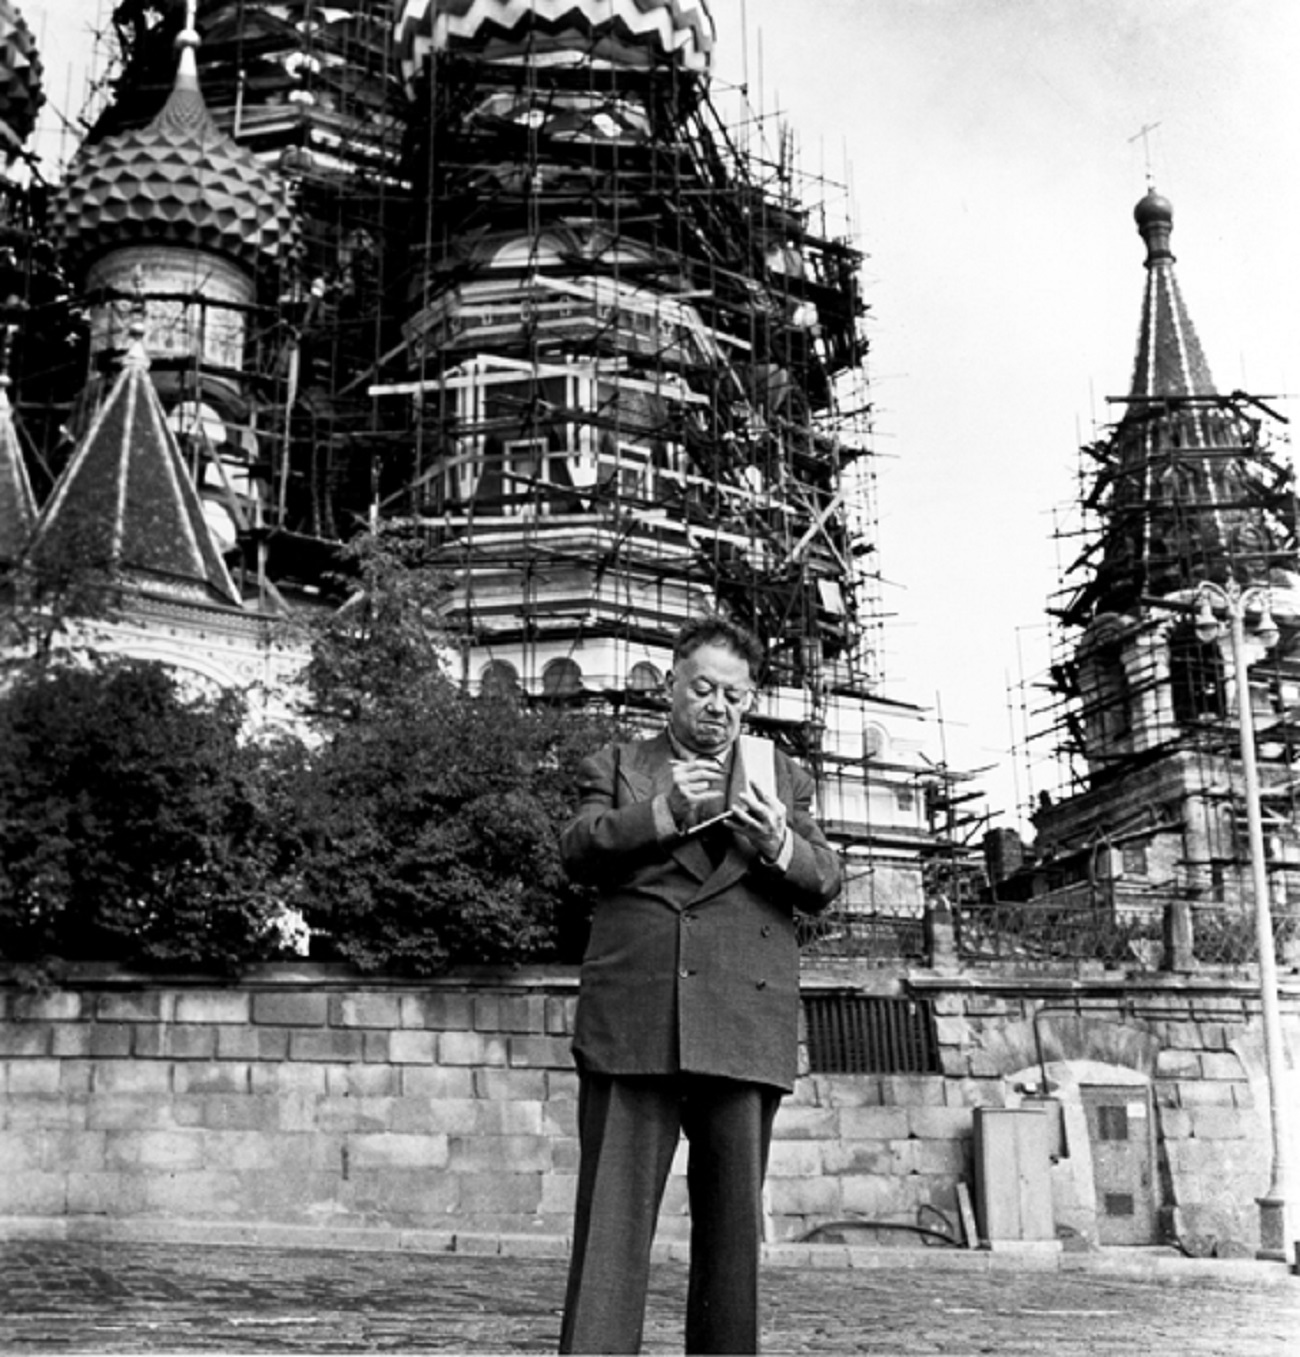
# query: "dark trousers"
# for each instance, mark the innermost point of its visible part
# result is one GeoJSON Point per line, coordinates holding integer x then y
{"type": "Point", "coordinates": [628, 1129]}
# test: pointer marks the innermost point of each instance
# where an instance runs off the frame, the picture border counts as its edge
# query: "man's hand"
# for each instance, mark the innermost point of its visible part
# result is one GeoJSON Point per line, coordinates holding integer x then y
{"type": "Point", "coordinates": [760, 817]}
{"type": "Point", "coordinates": [697, 790]}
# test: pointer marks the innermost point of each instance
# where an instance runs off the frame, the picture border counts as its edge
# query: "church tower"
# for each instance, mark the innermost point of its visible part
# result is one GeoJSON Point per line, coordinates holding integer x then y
{"type": "Point", "coordinates": [166, 231]}
{"type": "Point", "coordinates": [541, 309]}
{"type": "Point", "coordinates": [176, 225]}
{"type": "Point", "coordinates": [1187, 499]}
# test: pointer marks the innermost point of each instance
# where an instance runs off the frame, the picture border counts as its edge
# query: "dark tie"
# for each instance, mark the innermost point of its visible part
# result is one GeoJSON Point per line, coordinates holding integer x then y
{"type": "Point", "coordinates": [717, 838]}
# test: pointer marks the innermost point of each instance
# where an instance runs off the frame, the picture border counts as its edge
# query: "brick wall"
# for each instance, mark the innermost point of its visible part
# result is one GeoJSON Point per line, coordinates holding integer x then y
{"type": "Point", "coordinates": [447, 1111]}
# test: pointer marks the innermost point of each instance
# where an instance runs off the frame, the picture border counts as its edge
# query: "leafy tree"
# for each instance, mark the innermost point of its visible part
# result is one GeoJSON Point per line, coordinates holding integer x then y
{"type": "Point", "coordinates": [55, 597]}
{"type": "Point", "coordinates": [416, 829]}
{"type": "Point", "coordinates": [135, 823]}
{"type": "Point", "coordinates": [384, 651]}
{"type": "Point", "coordinates": [430, 813]}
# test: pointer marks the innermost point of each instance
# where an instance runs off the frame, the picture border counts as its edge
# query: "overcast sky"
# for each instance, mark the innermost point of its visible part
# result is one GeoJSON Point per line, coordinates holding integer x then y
{"type": "Point", "coordinates": [995, 158]}
{"type": "Point", "coordinates": [993, 154]}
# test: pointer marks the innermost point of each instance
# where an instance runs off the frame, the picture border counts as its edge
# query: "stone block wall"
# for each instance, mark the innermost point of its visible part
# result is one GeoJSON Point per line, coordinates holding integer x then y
{"type": "Point", "coordinates": [1196, 1048]}
{"type": "Point", "coordinates": [881, 1148]}
{"type": "Point", "coordinates": [439, 1109]}
{"type": "Point", "coordinates": [447, 1111]}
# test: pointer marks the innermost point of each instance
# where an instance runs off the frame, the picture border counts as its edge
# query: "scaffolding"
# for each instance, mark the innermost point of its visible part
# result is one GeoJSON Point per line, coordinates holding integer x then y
{"type": "Point", "coordinates": [546, 309]}
{"type": "Point", "coordinates": [1182, 491]}
{"type": "Point", "coordinates": [523, 292]}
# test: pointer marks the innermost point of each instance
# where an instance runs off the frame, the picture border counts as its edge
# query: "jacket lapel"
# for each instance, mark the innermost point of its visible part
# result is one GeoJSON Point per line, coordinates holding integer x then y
{"type": "Point", "coordinates": [645, 768]}
{"type": "Point", "coordinates": [647, 772]}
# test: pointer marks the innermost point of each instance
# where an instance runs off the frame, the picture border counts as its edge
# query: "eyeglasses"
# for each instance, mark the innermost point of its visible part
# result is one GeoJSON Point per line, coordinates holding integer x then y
{"type": "Point", "coordinates": [739, 699]}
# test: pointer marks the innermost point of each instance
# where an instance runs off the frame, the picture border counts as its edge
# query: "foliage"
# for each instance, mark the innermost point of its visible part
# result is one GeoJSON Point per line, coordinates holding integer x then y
{"type": "Point", "coordinates": [431, 813]}
{"type": "Point", "coordinates": [414, 829]}
{"type": "Point", "coordinates": [384, 650]}
{"type": "Point", "coordinates": [45, 600]}
{"type": "Point", "coordinates": [135, 824]}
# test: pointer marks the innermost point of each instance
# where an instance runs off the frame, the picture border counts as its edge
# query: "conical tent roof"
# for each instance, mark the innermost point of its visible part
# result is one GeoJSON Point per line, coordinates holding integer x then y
{"type": "Point", "coordinates": [17, 504]}
{"type": "Point", "coordinates": [126, 502]}
{"type": "Point", "coordinates": [1169, 359]}
{"type": "Point", "coordinates": [1184, 486]}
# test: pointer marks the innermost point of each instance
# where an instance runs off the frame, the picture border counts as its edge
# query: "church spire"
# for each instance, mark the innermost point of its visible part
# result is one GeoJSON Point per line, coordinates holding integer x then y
{"type": "Point", "coordinates": [1185, 485]}
{"type": "Point", "coordinates": [1170, 361]}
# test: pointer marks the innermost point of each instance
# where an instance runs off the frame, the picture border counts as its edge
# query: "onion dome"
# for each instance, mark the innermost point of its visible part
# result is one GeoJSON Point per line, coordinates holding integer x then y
{"type": "Point", "coordinates": [178, 181]}
{"type": "Point", "coordinates": [21, 95]}
{"type": "Point", "coordinates": [633, 33]}
{"type": "Point", "coordinates": [1155, 221]}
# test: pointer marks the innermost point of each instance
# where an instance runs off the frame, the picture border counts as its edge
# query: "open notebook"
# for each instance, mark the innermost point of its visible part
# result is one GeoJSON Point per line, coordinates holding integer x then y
{"type": "Point", "coordinates": [758, 761]}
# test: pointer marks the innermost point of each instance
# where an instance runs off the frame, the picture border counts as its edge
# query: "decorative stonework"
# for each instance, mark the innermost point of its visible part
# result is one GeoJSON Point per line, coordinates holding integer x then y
{"type": "Point", "coordinates": [195, 308]}
{"type": "Point", "coordinates": [635, 33]}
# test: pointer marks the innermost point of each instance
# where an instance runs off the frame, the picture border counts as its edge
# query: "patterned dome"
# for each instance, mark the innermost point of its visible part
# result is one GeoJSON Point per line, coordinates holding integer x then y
{"type": "Point", "coordinates": [179, 181]}
{"type": "Point", "coordinates": [638, 33]}
{"type": "Point", "coordinates": [21, 95]}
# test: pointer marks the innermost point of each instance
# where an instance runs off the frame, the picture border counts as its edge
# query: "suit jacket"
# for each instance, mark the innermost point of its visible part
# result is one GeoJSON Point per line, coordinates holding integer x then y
{"type": "Point", "coordinates": [690, 967]}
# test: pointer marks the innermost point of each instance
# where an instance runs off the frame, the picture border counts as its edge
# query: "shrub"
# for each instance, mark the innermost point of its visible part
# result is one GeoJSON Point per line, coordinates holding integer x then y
{"type": "Point", "coordinates": [135, 824]}
{"type": "Point", "coordinates": [417, 828]}
{"type": "Point", "coordinates": [431, 814]}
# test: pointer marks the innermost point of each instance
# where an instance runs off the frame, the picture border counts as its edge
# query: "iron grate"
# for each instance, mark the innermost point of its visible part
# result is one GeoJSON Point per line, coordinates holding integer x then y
{"type": "Point", "coordinates": [870, 1034]}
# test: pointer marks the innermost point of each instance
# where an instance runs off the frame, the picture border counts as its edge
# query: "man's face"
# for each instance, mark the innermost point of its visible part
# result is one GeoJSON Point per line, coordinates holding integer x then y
{"type": "Point", "coordinates": [711, 689]}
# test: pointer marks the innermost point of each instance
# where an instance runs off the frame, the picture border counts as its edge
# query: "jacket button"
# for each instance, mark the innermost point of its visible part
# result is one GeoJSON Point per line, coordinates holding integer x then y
{"type": "Point", "coordinates": [760, 984]}
{"type": "Point", "coordinates": [767, 930]}
{"type": "Point", "coordinates": [684, 974]}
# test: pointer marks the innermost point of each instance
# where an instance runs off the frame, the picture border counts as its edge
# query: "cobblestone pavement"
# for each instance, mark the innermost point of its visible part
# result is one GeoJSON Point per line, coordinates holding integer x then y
{"type": "Point", "coordinates": [86, 1297]}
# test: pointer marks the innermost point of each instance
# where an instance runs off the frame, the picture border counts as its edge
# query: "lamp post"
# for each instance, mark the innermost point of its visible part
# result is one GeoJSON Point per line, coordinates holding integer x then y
{"type": "Point", "coordinates": [1236, 602]}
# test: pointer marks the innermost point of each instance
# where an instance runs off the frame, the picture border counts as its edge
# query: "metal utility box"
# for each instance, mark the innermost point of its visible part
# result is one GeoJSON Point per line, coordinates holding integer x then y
{"type": "Point", "coordinates": [1013, 1190]}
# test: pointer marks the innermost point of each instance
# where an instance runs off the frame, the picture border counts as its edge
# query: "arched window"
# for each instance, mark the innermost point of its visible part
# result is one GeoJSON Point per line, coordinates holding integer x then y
{"type": "Point", "coordinates": [645, 678]}
{"type": "Point", "coordinates": [561, 678]}
{"type": "Point", "coordinates": [499, 678]}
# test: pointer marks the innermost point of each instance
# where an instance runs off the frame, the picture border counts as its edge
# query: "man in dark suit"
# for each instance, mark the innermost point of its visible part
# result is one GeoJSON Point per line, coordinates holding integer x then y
{"type": "Point", "coordinates": [688, 1012]}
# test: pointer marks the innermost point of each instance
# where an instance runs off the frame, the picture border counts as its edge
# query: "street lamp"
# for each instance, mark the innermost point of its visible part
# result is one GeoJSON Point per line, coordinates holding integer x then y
{"type": "Point", "coordinates": [1232, 599]}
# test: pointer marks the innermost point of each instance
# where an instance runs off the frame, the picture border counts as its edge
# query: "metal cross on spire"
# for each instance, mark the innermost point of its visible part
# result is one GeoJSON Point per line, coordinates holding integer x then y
{"type": "Point", "coordinates": [1145, 134]}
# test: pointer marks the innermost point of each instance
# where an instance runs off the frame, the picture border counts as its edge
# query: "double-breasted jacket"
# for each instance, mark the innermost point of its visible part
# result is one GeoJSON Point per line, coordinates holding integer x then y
{"type": "Point", "coordinates": [692, 966]}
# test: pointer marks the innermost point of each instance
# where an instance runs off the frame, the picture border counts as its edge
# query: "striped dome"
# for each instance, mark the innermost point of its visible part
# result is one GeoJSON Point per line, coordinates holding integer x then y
{"type": "Point", "coordinates": [179, 181]}
{"type": "Point", "coordinates": [21, 95]}
{"type": "Point", "coordinates": [637, 33]}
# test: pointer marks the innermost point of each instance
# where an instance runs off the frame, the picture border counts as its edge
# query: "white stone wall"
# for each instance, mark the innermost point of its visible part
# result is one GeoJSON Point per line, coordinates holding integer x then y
{"type": "Point", "coordinates": [334, 1105]}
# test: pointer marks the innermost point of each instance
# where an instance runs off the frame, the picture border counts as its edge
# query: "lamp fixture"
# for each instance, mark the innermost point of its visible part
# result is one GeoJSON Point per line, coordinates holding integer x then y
{"type": "Point", "coordinates": [1266, 631]}
{"type": "Point", "coordinates": [1207, 625]}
